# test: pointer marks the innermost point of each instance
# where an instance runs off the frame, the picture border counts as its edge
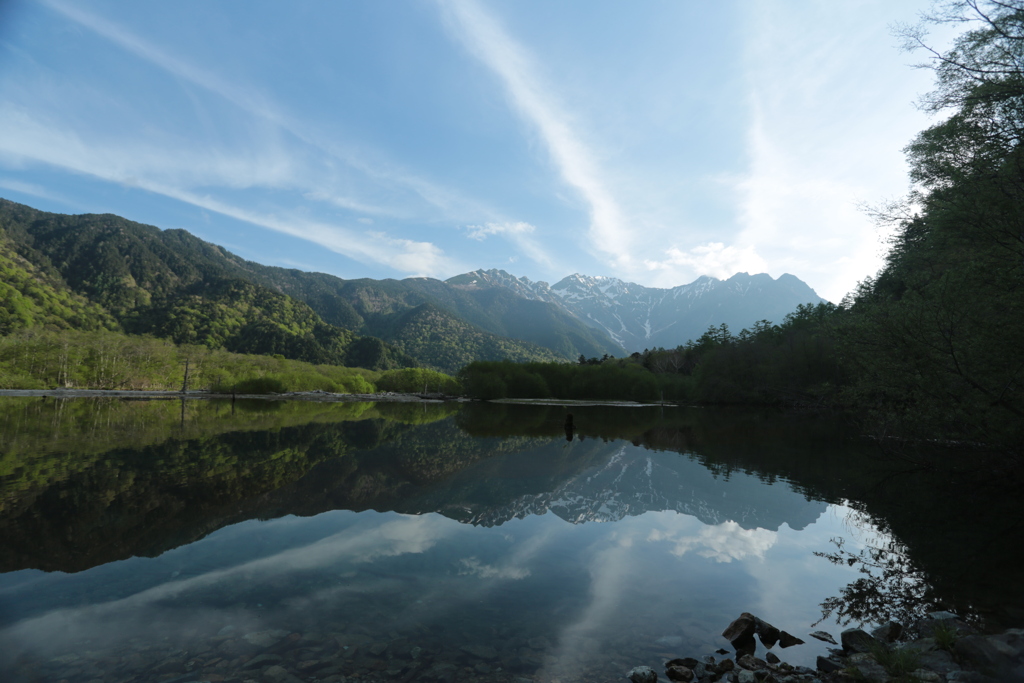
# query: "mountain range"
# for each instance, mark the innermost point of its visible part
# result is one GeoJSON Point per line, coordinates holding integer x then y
{"type": "Point", "coordinates": [638, 317]}
{"type": "Point", "coordinates": [100, 271]}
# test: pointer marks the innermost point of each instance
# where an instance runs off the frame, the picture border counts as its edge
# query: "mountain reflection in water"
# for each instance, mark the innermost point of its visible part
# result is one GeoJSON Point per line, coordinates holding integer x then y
{"type": "Point", "coordinates": [152, 541]}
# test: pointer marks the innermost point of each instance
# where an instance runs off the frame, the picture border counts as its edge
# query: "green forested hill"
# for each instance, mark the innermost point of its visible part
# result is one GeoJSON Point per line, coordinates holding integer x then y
{"type": "Point", "coordinates": [32, 296]}
{"type": "Point", "coordinates": [444, 341]}
{"type": "Point", "coordinates": [102, 271]}
{"type": "Point", "coordinates": [94, 271]}
{"type": "Point", "coordinates": [372, 306]}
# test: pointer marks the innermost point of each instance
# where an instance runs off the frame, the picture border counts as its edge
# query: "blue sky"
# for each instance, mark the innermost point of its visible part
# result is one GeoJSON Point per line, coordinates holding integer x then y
{"type": "Point", "coordinates": [652, 141]}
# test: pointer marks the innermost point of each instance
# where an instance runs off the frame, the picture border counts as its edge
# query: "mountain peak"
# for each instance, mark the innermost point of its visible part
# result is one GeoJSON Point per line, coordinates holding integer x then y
{"type": "Point", "coordinates": [639, 317]}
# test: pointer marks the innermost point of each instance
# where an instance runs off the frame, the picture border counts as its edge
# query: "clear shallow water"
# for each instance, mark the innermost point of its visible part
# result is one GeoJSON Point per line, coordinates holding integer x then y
{"type": "Point", "coordinates": [442, 545]}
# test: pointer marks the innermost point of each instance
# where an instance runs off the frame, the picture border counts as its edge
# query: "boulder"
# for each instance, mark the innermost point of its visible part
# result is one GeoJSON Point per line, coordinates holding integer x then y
{"type": "Point", "coordinates": [824, 636]}
{"type": "Point", "coordinates": [768, 634]}
{"type": "Point", "coordinates": [746, 676]}
{"type": "Point", "coordinates": [939, 661]}
{"type": "Point", "coordinates": [857, 640]}
{"type": "Point", "coordinates": [642, 674]}
{"type": "Point", "coordinates": [867, 668]}
{"type": "Point", "coordinates": [741, 627]}
{"type": "Point", "coordinates": [888, 633]}
{"type": "Point", "coordinates": [740, 633]}
{"type": "Point", "coordinates": [679, 673]}
{"type": "Point", "coordinates": [752, 663]}
{"type": "Point", "coordinates": [772, 658]}
{"type": "Point", "coordinates": [983, 654]}
{"type": "Point", "coordinates": [787, 640]}
{"type": "Point", "coordinates": [827, 665]}
{"type": "Point", "coordinates": [688, 662]}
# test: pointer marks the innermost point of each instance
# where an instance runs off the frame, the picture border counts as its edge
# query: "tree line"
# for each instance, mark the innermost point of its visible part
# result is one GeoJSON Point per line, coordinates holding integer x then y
{"type": "Point", "coordinates": [101, 359]}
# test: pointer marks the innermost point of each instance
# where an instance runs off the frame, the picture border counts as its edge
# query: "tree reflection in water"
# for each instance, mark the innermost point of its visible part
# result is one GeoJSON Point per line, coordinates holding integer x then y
{"type": "Point", "coordinates": [892, 587]}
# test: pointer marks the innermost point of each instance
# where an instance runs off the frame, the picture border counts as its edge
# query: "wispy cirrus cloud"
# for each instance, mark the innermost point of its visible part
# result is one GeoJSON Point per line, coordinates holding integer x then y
{"type": "Point", "coordinates": [518, 232]}
{"type": "Point", "coordinates": [276, 151]}
{"type": "Point", "coordinates": [158, 171]}
{"type": "Point", "coordinates": [369, 163]}
{"type": "Point", "coordinates": [485, 39]}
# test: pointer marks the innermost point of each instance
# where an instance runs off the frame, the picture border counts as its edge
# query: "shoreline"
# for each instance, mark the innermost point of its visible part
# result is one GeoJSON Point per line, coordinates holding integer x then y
{"type": "Point", "coordinates": [321, 396]}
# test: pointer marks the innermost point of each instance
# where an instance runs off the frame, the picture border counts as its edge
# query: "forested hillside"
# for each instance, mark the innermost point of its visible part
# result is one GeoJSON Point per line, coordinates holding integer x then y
{"type": "Point", "coordinates": [102, 271]}
{"type": "Point", "coordinates": [373, 307]}
{"type": "Point", "coordinates": [936, 337]}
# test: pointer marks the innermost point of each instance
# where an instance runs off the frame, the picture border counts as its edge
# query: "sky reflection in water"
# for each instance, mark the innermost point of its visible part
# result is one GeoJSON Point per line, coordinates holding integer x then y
{"type": "Point", "coordinates": [606, 595]}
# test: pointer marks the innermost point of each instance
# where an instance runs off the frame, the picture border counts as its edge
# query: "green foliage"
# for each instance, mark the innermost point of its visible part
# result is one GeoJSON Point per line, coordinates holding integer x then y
{"type": "Point", "coordinates": [897, 661]}
{"type": "Point", "coordinates": [260, 385]}
{"type": "Point", "coordinates": [418, 380]}
{"type": "Point", "coordinates": [607, 381]}
{"type": "Point", "coordinates": [945, 634]}
{"type": "Point", "coordinates": [37, 359]}
{"type": "Point", "coordinates": [94, 272]}
{"type": "Point", "coordinates": [443, 341]}
{"type": "Point", "coordinates": [934, 340]}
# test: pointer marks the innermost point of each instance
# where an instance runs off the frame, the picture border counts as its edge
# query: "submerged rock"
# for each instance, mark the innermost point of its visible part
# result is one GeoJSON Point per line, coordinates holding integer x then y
{"type": "Point", "coordinates": [679, 673]}
{"type": "Point", "coordinates": [642, 674]}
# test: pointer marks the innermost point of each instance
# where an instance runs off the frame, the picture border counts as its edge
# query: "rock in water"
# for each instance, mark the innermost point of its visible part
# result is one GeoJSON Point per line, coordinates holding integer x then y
{"type": "Point", "coordinates": [751, 663]}
{"type": "Point", "coordinates": [679, 673]}
{"type": "Point", "coordinates": [740, 633]}
{"type": "Point", "coordinates": [787, 640]}
{"type": "Point", "coordinates": [768, 634]}
{"type": "Point", "coordinates": [642, 674]}
{"type": "Point", "coordinates": [827, 665]}
{"type": "Point", "coordinates": [742, 627]}
{"type": "Point", "coordinates": [822, 635]}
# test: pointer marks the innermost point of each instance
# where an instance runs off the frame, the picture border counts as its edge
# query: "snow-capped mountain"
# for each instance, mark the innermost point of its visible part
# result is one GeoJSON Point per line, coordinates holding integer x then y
{"type": "Point", "coordinates": [639, 317]}
{"type": "Point", "coordinates": [635, 480]}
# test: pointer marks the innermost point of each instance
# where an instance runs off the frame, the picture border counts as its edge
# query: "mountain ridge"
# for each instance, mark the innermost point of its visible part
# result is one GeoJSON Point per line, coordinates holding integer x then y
{"type": "Point", "coordinates": [640, 317]}
{"type": "Point", "coordinates": [145, 280]}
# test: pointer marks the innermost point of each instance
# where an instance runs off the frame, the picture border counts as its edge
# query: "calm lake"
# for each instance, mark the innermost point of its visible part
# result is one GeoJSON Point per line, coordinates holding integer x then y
{"type": "Point", "coordinates": [282, 541]}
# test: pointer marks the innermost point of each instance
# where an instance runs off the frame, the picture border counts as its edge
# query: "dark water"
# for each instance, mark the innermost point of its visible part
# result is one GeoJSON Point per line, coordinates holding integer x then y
{"type": "Point", "coordinates": [155, 541]}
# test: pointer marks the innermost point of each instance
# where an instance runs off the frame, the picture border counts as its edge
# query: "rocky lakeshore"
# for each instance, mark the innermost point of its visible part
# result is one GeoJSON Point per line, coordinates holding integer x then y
{"type": "Point", "coordinates": [938, 648]}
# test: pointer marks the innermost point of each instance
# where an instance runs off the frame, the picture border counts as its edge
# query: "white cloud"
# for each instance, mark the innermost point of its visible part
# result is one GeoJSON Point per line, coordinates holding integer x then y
{"type": "Point", "coordinates": [518, 233]}
{"type": "Point", "coordinates": [489, 43]}
{"type": "Point", "coordinates": [714, 258]}
{"type": "Point", "coordinates": [173, 174]}
{"type": "Point", "coordinates": [472, 566]}
{"type": "Point", "coordinates": [480, 232]}
{"type": "Point", "coordinates": [825, 135]}
{"type": "Point", "coordinates": [723, 542]}
{"type": "Point", "coordinates": [401, 535]}
{"type": "Point", "coordinates": [30, 189]}
{"type": "Point", "coordinates": [377, 171]}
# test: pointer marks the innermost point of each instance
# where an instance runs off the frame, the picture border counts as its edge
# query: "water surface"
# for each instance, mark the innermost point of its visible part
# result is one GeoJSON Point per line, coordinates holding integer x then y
{"type": "Point", "coordinates": [167, 541]}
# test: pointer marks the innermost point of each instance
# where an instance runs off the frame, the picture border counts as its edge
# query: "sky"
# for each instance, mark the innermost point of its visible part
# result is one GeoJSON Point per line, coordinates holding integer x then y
{"type": "Point", "coordinates": [654, 142]}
